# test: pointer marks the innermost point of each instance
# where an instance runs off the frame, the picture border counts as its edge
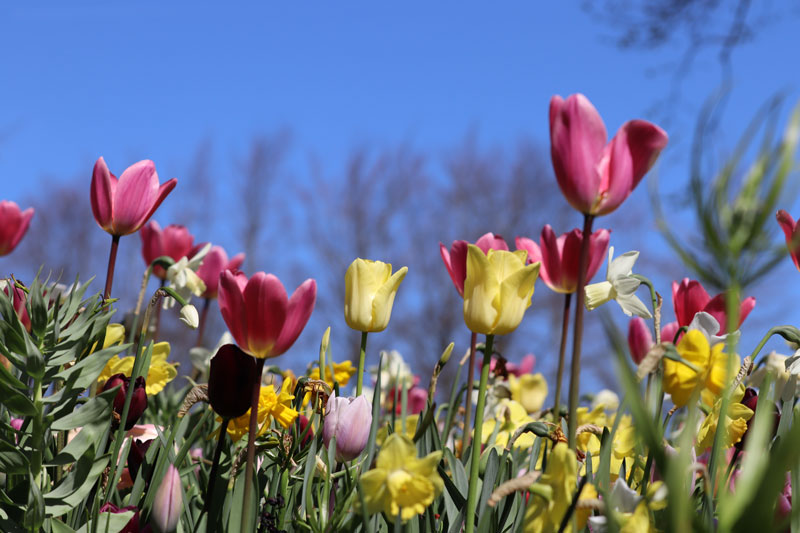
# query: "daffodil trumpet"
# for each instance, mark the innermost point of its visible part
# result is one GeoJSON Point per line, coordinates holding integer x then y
{"type": "Point", "coordinates": [474, 467]}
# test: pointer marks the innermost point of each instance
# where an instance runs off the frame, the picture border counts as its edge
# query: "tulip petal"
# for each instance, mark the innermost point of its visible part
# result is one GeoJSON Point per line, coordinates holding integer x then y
{"type": "Point", "coordinates": [456, 263]}
{"type": "Point", "coordinates": [235, 262]}
{"type": "Point", "coordinates": [598, 245]}
{"type": "Point", "coordinates": [362, 281]}
{"type": "Point", "coordinates": [551, 259]}
{"type": "Point", "coordinates": [480, 289]}
{"type": "Point", "coordinates": [231, 305]}
{"type": "Point", "coordinates": [168, 503]}
{"type": "Point", "coordinates": [102, 195]}
{"type": "Point", "coordinates": [640, 340]}
{"type": "Point", "coordinates": [265, 304]}
{"type": "Point", "coordinates": [490, 241]}
{"type": "Point", "coordinates": [13, 225]}
{"type": "Point", "coordinates": [716, 307]}
{"type": "Point", "coordinates": [688, 298]}
{"type": "Point", "coordinates": [515, 296]}
{"type": "Point", "coordinates": [384, 300]}
{"type": "Point", "coordinates": [162, 193]}
{"type": "Point", "coordinates": [150, 235]}
{"type": "Point", "coordinates": [298, 311]}
{"type": "Point", "coordinates": [137, 189]}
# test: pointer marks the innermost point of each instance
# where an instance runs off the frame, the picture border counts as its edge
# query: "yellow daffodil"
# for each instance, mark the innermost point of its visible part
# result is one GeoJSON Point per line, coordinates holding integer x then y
{"type": "Point", "coordinates": [638, 521]}
{"type": "Point", "coordinates": [401, 483]}
{"type": "Point", "coordinates": [270, 405]}
{"type": "Point", "coordinates": [410, 429]}
{"type": "Point", "coordinates": [530, 390]}
{"type": "Point", "coordinates": [498, 289]}
{"type": "Point", "coordinates": [160, 373]}
{"type": "Point", "coordinates": [334, 373]}
{"type": "Point", "coordinates": [552, 494]}
{"type": "Point", "coordinates": [370, 288]}
{"type": "Point", "coordinates": [589, 492]}
{"type": "Point", "coordinates": [511, 416]}
{"type": "Point", "coordinates": [735, 423]}
{"type": "Point", "coordinates": [622, 445]}
{"type": "Point", "coordinates": [681, 380]}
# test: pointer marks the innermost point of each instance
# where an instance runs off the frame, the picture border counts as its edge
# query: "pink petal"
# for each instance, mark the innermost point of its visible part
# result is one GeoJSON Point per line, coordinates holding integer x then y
{"type": "Point", "coordinates": [717, 307]}
{"type": "Point", "coordinates": [570, 260]}
{"type": "Point", "coordinates": [137, 189]}
{"type": "Point", "coordinates": [235, 262]}
{"type": "Point", "coordinates": [265, 303]}
{"type": "Point", "coordinates": [688, 299]}
{"type": "Point", "coordinates": [212, 266]}
{"type": "Point", "coordinates": [640, 340]}
{"type": "Point", "coordinates": [577, 140]}
{"type": "Point", "coordinates": [792, 233]}
{"type": "Point", "coordinates": [176, 242]}
{"type": "Point", "coordinates": [301, 304]}
{"type": "Point", "coordinates": [231, 305]}
{"type": "Point", "coordinates": [163, 191]}
{"type": "Point", "coordinates": [13, 225]}
{"type": "Point", "coordinates": [668, 332]}
{"type": "Point", "coordinates": [102, 195]}
{"type": "Point", "coordinates": [490, 241]}
{"type": "Point", "coordinates": [150, 235]}
{"type": "Point", "coordinates": [456, 263]}
{"type": "Point", "coordinates": [168, 503]}
{"type": "Point", "coordinates": [534, 256]}
{"type": "Point", "coordinates": [598, 246]}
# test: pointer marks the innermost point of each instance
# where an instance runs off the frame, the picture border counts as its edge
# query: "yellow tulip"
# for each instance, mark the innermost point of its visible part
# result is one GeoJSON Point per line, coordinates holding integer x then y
{"type": "Point", "coordinates": [401, 483]}
{"type": "Point", "coordinates": [370, 288]}
{"type": "Point", "coordinates": [498, 289]}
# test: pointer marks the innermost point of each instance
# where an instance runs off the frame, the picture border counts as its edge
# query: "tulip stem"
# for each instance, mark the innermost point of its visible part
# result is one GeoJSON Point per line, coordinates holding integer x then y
{"type": "Point", "coordinates": [251, 448]}
{"type": "Point", "coordinates": [577, 339]}
{"type": "Point", "coordinates": [468, 402]}
{"type": "Point", "coordinates": [112, 260]}
{"type": "Point", "coordinates": [472, 494]}
{"type": "Point", "coordinates": [213, 475]}
{"type": "Point", "coordinates": [562, 353]}
{"type": "Point", "coordinates": [361, 359]}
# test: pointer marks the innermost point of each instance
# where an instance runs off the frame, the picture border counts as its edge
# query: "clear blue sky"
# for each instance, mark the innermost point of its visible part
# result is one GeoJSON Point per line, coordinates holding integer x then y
{"type": "Point", "coordinates": [153, 81]}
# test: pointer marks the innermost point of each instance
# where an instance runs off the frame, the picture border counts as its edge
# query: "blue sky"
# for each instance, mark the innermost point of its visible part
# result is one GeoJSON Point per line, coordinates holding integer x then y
{"type": "Point", "coordinates": [153, 81]}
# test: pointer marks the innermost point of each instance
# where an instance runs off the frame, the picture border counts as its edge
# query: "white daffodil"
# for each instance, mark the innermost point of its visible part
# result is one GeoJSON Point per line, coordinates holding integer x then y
{"type": "Point", "coordinates": [189, 316]}
{"type": "Point", "coordinates": [182, 276]}
{"type": "Point", "coordinates": [620, 285]}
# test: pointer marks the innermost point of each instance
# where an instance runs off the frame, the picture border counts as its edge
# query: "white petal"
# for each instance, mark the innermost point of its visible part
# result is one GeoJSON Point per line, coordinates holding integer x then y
{"type": "Point", "coordinates": [625, 285]}
{"type": "Point", "coordinates": [632, 305]}
{"type": "Point", "coordinates": [622, 265]}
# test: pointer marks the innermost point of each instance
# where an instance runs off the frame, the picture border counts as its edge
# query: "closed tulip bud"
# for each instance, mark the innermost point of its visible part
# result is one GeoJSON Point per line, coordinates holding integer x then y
{"type": "Point", "coordinates": [639, 339]}
{"type": "Point", "coordinates": [138, 401]}
{"type": "Point", "coordinates": [168, 502]}
{"type": "Point", "coordinates": [174, 241]}
{"type": "Point", "coordinates": [370, 288]}
{"type": "Point", "coordinates": [13, 225]}
{"type": "Point", "coordinates": [348, 420]}
{"type": "Point", "coordinates": [231, 379]}
{"type": "Point", "coordinates": [133, 524]}
{"type": "Point", "coordinates": [136, 457]}
{"type": "Point", "coordinates": [498, 289]}
{"type": "Point", "coordinates": [791, 230]}
{"type": "Point", "coordinates": [122, 206]}
{"type": "Point", "coordinates": [189, 316]}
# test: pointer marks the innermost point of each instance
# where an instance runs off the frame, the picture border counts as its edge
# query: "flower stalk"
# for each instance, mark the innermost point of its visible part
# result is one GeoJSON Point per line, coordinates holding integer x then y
{"type": "Point", "coordinates": [112, 260]}
{"type": "Point", "coordinates": [251, 448]}
{"type": "Point", "coordinates": [562, 355]}
{"type": "Point", "coordinates": [361, 361]}
{"type": "Point", "coordinates": [468, 401]}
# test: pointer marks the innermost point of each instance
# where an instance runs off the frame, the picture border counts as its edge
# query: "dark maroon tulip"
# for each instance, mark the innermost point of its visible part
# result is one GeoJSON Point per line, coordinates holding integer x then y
{"type": "Point", "coordinates": [138, 402]}
{"type": "Point", "coordinates": [136, 456]}
{"type": "Point", "coordinates": [750, 400]}
{"type": "Point", "coordinates": [133, 524]}
{"type": "Point", "coordinates": [230, 381]}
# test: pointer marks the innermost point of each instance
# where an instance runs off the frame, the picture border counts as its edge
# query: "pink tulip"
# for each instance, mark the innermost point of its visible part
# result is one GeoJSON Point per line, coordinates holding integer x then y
{"type": "Point", "coordinates": [525, 367]}
{"type": "Point", "coordinates": [669, 331]}
{"type": "Point", "coordinates": [263, 321]}
{"type": "Point", "coordinates": [13, 225]}
{"type": "Point", "coordinates": [122, 206]}
{"type": "Point", "coordinates": [455, 260]}
{"type": "Point", "coordinates": [792, 232]}
{"type": "Point", "coordinates": [174, 241]}
{"type": "Point", "coordinates": [689, 298]}
{"type": "Point", "coordinates": [349, 420]}
{"type": "Point", "coordinates": [416, 398]}
{"type": "Point", "coordinates": [559, 256]}
{"type": "Point", "coordinates": [640, 340]}
{"type": "Point", "coordinates": [19, 300]}
{"type": "Point", "coordinates": [596, 177]}
{"type": "Point", "coordinates": [168, 503]}
{"type": "Point", "coordinates": [214, 263]}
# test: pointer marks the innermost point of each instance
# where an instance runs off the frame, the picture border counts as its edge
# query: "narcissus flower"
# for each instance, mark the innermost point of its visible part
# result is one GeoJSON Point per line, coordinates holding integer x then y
{"type": "Point", "coordinates": [455, 260]}
{"type": "Point", "coordinates": [122, 206]}
{"type": "Point", "coordinates": [689, 298]}
{"type": "Point", "coordinates": [510, 416]}
{"type": "Point", "coordinates": [259, 315]}
{"type": "Point", "coordinates": [559, 482]}
{"type": "Point", "coordinates": [370, 288]}
{"type": "Point", "coordinates": [168, 503]}
{"type": "Point", "coordinates": [334, 373]}
{"type": "Point", "coordinates": [710, 362]}
{"type": "Point", "coordinates": [402, 484]}
{"type": "Point", "coordinates": [215, 263]}
{"type": "Point", "coordinates": [498, 289]}
{"type": "Point", "coordinates": [596, 177]}
{"type": "Point", "coordinates": [530, 390]}
{"type": "Point", "coordinates": [13, 225]}
{"type": "Point", "coordinates": [792, 232]}
{"type": "Point", "coordinates": [560, 256]}
{"type": "Point", "coordinates": [349, 421]}
{"type": "Point", "coordinates": [735, 423]}
{"type": "Point", "coordinates": [620, 285]}
{"type": "Point", "coordinates": [160, 373]}
{"type": "Point", "coordinates": [174, 241]}
{"type": "Point", "coordinates": [231, 378]}
{"type": "Point", "coordinates": [270, 405]}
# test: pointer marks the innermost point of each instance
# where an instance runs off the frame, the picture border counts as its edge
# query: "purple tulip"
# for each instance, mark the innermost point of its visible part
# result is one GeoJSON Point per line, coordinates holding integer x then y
{"type": "Point", "coordinates": [348, 420]}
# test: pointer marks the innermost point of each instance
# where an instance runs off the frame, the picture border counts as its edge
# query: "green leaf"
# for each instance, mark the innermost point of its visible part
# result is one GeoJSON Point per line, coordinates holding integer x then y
{"type": "Point", "coordinates": [34, 362]}
{"type": "Point", "coordinates": [76, 486]}
{"type": "Point", "coordinates": [96, 408]}
{"type": "Point", "coordinates": [34, 514]}
{"type": "Point", "coordinates": [108, 523]}
{"type": "Point", "coordinates": [57, 526]}
{"type": "Point", "coordinates": [16, 401]}
{"type": "Point", "coordinates": [12, 460]}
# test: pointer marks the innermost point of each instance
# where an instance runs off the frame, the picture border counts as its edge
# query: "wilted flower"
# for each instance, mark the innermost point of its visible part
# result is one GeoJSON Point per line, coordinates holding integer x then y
{"type": "Point", "coordinates": [334, 373]}
{"type": "Point", "coordinates": [13, 225]}
{"type": "Point", "coordinates": [349, 421]}
{"type": "Point", "coordinates": [402, 484]}
{"type": "Point", "coordinates": [370, 288]}
{"type": "Point", "coordinates": [620, 285]}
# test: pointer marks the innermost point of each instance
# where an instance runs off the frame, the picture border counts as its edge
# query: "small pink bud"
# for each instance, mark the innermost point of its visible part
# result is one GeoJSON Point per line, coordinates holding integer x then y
{"type": "Point", "coordinates": [168, 502]}
{"type": "Point", "coordinates": [639, 339]}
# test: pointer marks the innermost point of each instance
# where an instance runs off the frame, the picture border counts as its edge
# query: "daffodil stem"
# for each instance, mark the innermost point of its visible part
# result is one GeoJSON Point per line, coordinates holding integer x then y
{"type": "Point", "coordinates": [468, 402]}
{"type": "Point", "coordinates": [577, 339]}
{"type": "Point", "coordinates": [472, 494]}
{"type": "Point", "coordinates": [251, 449]}
{"type": "Point", "coordinates": [361, 359]}
{"type": "Point", "coordinates": [562, 355]}
{"type": "Point", "coordinates": [112, 260]}
{"type": "Point", "coordinates": [212, 479]}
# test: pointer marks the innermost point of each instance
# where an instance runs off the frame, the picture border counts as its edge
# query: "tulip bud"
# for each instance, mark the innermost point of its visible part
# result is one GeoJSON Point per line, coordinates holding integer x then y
{"type": "Point", "coordinates": [370, 288]}
{"type": "Point", "coordinates": [189, 316]}
{"type": "Point", "coordinates": [168, 502]}
{"type": "Point", "coordinates": [136, 456]}
{"type": "Point", "coordinates": [133, 524]}
{"type": "Point", "coordinates": [639, 339]}
{"type": "Point", "coordinates": [138, 401]}
{"type": "Point", "coordinates": [13, 225]}
{"type": "Point", "coordinates": [669, 331]}
{"type": "Point", "coordinates": [231, 379]}
{"type": "Point", "coordinates": [349, 420]}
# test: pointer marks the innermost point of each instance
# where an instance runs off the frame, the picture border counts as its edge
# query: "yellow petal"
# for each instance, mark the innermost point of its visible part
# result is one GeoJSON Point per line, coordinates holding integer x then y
{"type": "Point", "coordinates": [384, 300]}
{"type": "Point", "coordinates": [481, 287]}
{"type": "Point", "coordinates": [115, 334]}
{"type": "Point", "coordinates": [362, 281]}
{"type": "Point", "coordinates": [514, 296]}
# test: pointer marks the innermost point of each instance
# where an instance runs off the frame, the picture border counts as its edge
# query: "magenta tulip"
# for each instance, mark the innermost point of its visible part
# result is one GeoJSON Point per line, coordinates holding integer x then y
{"type": "Point", "coordinates": [792, 232]}
{"type": "Point", "coordinates": [455, 260]}
{"type": "Point", "coordinates": [263, 321]}
{"type": "Point", "coordinates": [215, 263]}
{"type": "Point", "coordinates": [174, 241]}
{"type": "Point", "coordinates": [19, 302]}
{"type": "Point", "coordinates": [640, 340]}
{"type": "Point", "coordinates": [596, 177]}
{"type": "Point", "coordinates": [122, 206]}
{"type": "Point", "coordinates": [349, 420]}
{"type": "Point", "coordinates": [689, 298]}
{"type": "Point", "coordinates": [559, 256]}
{"type": "Point", "coordinates": [168, 503]}
{"type": "Point", "coordinates": [138, 401]}
{"type": "Point", "coordinates": [13, 225]}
